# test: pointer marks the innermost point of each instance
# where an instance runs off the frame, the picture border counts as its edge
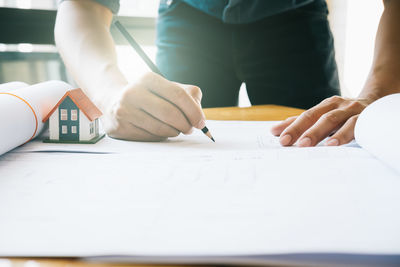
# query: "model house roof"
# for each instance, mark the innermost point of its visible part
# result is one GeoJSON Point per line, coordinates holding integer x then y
{"type": "Point", "coordinates": [82, 102]}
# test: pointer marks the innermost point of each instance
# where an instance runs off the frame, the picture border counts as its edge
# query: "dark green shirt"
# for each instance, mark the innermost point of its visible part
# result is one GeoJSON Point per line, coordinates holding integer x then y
{"type": "Point", "coordinates": [243, 11]}
{"type": "Point", "coordinates": [229, 11]}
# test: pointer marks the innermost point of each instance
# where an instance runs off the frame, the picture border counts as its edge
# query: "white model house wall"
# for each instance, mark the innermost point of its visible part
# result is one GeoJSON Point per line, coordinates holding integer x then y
{"type": "Point", "coordinates": [84, 127]}
{"type": "Point", "coordinates": [54, 125]}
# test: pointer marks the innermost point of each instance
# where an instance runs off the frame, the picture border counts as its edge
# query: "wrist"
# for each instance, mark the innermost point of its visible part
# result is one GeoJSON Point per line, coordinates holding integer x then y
{"type": "Point", "coordinates": [107, 88]}
{"type": "Point", "coordinates": [104, 98]}
{"type": "Point", "coordinates": [370, 95]}
{"type": "Point", "coordinates": [378, 85]}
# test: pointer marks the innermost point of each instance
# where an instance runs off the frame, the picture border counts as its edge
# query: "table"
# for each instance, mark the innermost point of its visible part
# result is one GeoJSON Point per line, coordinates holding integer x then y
{"type": "Point", "coordinates": [254, 113]}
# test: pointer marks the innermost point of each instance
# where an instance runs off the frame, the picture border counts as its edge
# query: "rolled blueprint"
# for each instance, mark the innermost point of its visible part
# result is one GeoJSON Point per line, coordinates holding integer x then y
{"type": "Point", "coordinates": [22, 110]}
{"type": "Point", "coordinates": [377, 130]}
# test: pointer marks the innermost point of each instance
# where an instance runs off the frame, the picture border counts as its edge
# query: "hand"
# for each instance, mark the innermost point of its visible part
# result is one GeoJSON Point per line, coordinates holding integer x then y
{"type": "Point", "coordinates": [337, 115]}
{"type": "Point", "coordinates": [154, 109]}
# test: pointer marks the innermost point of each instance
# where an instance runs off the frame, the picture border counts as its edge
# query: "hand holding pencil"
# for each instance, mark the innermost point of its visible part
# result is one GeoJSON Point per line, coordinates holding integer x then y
{"type": "Point", "coordinates": [153, 109]}
{"type": "Point", "coordinates": [163, 108]}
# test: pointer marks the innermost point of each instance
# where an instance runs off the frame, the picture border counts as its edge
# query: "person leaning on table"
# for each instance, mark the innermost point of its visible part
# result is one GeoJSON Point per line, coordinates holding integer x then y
{"type": "Point", "coordinates": [282, 50]}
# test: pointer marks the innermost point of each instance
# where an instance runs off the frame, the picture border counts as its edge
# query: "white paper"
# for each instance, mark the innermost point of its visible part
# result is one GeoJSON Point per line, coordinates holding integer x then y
{"type": "Point", "coordinates": [378, 130]}
{"type": "Point", "coordinates": [230, 136]}
{"type": "Point", "coordinates": [191, 200]}
{"type": "Point", "coordinates": [17, 120]}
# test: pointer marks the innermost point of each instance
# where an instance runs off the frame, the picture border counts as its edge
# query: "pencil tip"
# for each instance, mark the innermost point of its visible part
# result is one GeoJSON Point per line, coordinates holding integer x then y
{"type": "Point", "coordinates": [212, 138]}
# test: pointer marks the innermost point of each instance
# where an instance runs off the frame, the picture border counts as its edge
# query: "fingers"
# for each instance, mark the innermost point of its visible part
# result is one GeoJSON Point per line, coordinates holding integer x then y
{"type": "Point", "coordinates": [327, 123]}
{"type": "Point", "coordinates": [164, 111]}
{"type": "Point", "coordinates": [292, 133]}
{"type": "Point", "coordinates": [194, 92]}
{"type": "Point", "coordinates": [128, 131]}
{"type": "Point", "coordinates": [145, 121]}
{"type": "Point", "coordinates": [315, 124]}
{"type": "Point", "coordinates": [178, 96]}
{"type": "Point", "coordinates": [153, 109]}
{"type": "Point", "coordinates": [345, 134]}
{"type": "Point", "coordinates": [278, 129]}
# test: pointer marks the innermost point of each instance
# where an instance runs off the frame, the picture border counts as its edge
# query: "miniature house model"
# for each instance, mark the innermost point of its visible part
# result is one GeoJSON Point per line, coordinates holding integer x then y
{"type": "Point", "coordinates": [74, 119]}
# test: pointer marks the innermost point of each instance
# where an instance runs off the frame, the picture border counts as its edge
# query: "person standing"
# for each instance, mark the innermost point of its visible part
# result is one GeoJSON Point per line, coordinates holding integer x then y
{"type": "Point", "coordinates": [282, 50]}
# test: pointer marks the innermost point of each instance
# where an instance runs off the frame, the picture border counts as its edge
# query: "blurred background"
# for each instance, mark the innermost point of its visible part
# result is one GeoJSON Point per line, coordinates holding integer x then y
{"type": "Point", "coordinates": [27, 52]}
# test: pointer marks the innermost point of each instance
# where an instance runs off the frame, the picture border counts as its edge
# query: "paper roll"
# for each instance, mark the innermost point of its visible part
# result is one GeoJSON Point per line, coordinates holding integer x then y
{"type": "Point", "coordinates": [7, 87]}
{"type": "Point", "coordinates": [22, 110]}
{"type": "Point", "coordinates": [377, 130]}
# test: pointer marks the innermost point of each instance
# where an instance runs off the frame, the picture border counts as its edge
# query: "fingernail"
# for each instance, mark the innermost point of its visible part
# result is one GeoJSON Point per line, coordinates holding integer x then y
{"type": "Point", "coordinates": [306, 141]}
{"type": "Point", "coordinates": [285, 140]}
{"type": "Point", "coordinates": [332, 142]}
{"type": "Point", "coordinates": [201, 124]}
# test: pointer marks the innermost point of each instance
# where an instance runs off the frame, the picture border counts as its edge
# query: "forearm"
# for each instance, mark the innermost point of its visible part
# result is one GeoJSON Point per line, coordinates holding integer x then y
{"type": "Point", "coordinates": [384, 76]}
{"type": "Point", "coordinates": [86, 46]}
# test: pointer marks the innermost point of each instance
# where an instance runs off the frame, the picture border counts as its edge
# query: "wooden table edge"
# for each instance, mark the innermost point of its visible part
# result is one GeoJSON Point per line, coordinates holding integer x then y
{"type": "Point", "coordinates": [253, 113]}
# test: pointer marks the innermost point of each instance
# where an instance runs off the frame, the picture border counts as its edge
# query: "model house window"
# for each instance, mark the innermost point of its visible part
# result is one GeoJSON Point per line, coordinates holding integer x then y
{"type": "Point", "coordinates": [64, 114]}
{"type": "Point", "coordinates": [64, 129]}
{"type": "Point", "coordinates": [74, 114]}
{"type": "Point", "coordinates": [91, 127]}
{"type": "Point", "coordinates": [73, 129]}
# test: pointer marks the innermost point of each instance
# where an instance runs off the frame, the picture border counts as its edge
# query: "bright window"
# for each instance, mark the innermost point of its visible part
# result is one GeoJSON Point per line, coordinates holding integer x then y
{"type": "Point", "coordinates": [64, 129]}
{"type": "Point", "coordinates": [64, 114]}
{"type": "Point", "coordinates": [74, 114]}
{"type": "Point", "coordinates": [91, 127]}
{"type": "Point", "coordinates": [73, 129]}
{"type": "Point", "coordinates": [362, 24]}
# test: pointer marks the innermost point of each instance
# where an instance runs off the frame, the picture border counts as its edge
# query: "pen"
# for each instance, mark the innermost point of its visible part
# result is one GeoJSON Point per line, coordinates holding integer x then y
{"type": "Point", "coordinates": [148, 61]}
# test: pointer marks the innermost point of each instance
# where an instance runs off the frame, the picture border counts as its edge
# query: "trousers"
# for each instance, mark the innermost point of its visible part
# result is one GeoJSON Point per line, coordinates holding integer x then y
{"type": "Point", "coordinates": [285, 59]}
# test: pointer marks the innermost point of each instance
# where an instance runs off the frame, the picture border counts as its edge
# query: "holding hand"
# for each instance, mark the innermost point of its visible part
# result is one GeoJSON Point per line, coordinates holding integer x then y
{"type": "Point", "coordinates": [337, 115]}
{"type": "Point", "coordinates": [154, 109]}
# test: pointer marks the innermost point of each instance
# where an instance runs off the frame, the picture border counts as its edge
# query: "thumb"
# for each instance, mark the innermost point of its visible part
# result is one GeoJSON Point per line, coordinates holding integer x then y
{"type": "Point", "coordinates": [194, 91]}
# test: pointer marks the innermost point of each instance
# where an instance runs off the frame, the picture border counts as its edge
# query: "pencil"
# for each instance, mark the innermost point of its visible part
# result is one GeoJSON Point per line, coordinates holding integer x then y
{"type": "Point", "coordinates": [148, 61]}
